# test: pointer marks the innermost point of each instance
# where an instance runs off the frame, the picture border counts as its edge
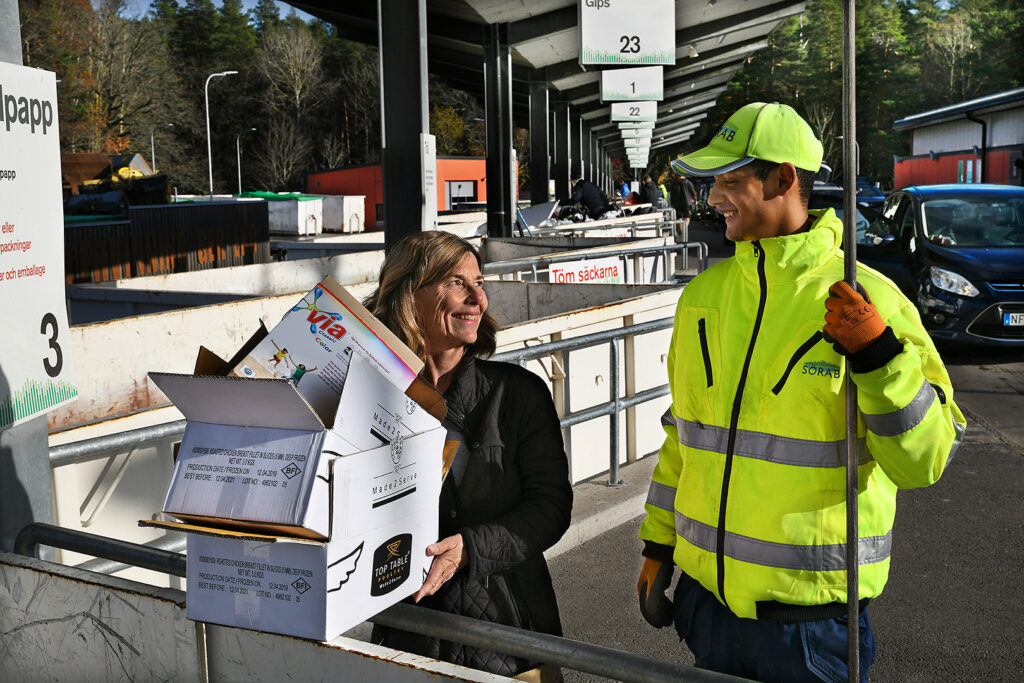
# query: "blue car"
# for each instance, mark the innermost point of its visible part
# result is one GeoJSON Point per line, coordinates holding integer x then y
{"type": "Point", "coordinates": [957, 252]}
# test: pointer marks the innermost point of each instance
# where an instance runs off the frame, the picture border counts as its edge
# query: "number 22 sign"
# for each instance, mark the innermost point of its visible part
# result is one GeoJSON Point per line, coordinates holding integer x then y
{"type": "Point", "coordinates": [634, 111]}
{"type": "Point", "coordinates": [627, 32]}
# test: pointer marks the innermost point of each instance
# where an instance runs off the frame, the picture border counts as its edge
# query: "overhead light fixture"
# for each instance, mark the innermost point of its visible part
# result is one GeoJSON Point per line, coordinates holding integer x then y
{"type": "Point", "coordinates": [691, 52]}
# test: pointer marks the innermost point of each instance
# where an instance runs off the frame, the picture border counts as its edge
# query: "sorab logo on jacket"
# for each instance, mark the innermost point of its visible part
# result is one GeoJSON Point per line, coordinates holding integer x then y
{"type": "Point", "coordinates": [819, 367]}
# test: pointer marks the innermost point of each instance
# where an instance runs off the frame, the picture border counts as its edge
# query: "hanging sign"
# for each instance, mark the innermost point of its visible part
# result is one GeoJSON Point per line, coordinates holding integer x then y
{"type": "Point", "coordinates": [428, 183]}
{"type": "Point", "coordinates": [635, 111]}
{"type": "Point", "coordinates": [636, 125]}
{"type": "Point", "coordinates": [633, 85]}
{"type": "Point", "coordinates": [625, 32]}
{"type": "Point", "coordinates": [642, 142]}
{"type": "Point", "coordinates": [647, 133]}
{"type": "Point", "coordinates": [36, 372]}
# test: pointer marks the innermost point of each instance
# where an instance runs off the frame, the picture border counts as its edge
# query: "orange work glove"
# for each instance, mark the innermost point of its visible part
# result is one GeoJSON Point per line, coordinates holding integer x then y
{"type": "Point", "coordinates": [655, 577]}
{"type": "Point", "coordinates": [852, 322]}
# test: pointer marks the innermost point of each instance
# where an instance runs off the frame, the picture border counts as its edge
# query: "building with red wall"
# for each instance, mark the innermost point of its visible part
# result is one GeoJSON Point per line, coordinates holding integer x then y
{"type": "Point", "coordinates": [980, 140]}
{"type": "Point", "coordinates": [459, 180]}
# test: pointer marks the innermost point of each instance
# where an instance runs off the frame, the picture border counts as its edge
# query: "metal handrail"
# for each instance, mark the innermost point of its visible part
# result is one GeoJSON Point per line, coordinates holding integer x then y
{"type": "Point", "coordinates": [90, 449]}
{"type": "Point", "coordinates": [520, 265]}
{"type": "Point", "coordinates": [571, 654]}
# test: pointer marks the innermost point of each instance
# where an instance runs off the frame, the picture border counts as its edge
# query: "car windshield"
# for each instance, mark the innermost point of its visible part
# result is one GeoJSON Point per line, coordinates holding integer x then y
{"type": "Point", "coordinates": [975, 221]}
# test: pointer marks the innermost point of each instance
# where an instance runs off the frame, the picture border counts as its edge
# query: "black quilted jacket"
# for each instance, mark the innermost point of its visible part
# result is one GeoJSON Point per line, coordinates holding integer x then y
{"type": "Point", "coordinates": [511, 503]}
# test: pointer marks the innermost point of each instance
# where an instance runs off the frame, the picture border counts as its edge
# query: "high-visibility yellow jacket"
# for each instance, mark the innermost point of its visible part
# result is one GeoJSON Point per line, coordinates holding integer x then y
{"type": "Point", "coordinates": [749, 489]}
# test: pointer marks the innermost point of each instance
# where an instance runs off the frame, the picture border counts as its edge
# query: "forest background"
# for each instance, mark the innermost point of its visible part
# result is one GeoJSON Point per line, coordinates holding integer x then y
{"type": "Point", "coordinates": [314, 99]}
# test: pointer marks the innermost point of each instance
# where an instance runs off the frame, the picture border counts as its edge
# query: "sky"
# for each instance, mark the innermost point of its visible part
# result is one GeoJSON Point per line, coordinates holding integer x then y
{"type": "Point", "coordinates": [142, 7]}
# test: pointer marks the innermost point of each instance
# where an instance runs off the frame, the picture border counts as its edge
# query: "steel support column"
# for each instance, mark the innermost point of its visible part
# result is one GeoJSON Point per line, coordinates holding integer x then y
{"type": "Point", "coordinates": [587, 155]}
{"type": "Point", "coordinates": [540, 148]}
{"type": "Point", "coordinates": [560, 162]}
{"type": "Point", "coordinates": [501, 210]}
{"type": "Point", "coordinates": [575, 145]}
{"type": "Point", "coordinates": [402, 37]}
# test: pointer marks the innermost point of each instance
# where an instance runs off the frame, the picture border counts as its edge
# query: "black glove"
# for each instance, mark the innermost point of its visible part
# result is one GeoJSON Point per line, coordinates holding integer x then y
{"type": "Point", "coordinates": [655, 578]}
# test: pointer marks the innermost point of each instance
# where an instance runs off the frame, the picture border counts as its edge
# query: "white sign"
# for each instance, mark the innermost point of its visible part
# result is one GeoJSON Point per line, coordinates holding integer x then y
{"type": "Point", "coordinates": [638, 163]}
{"type": "Point", "coordinates": [36, 372]}
{"type": "Point", "coordinates": [638, 133]}
{"type": "Point", "coordinates": [621, 32]}
{"type": "Point", "coordinates": [643, 143]}
{"type": "Point", "coordinates": [632, 85]}
{"type": "Point", "coordinates": [636, 125]}
{"type": "Point", "coordinates": [635, 111]}
{"type": "Point", "coordinates": [594, 271]}
{"type": "Point", "coordinates": [429, 184]}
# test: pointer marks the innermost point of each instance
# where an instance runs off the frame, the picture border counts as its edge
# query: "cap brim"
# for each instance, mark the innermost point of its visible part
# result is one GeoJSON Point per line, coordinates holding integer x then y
{"type": "Point", "coordinates": [698, 164]}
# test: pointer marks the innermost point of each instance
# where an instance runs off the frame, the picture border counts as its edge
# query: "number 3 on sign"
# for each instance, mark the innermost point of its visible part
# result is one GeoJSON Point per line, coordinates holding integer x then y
{"type": "Point", "coordinates": [50, 322]}
{"type": "Point", "coordinates": [630, 44]}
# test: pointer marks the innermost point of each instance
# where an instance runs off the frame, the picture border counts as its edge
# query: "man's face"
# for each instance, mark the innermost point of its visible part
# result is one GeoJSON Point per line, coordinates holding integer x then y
{"type": "Point", "coordinates": [748, 204]}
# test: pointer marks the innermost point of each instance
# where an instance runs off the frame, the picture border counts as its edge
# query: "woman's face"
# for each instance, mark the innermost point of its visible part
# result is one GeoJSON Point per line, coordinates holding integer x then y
{"type": "Point", "coordinates": [449, 311]}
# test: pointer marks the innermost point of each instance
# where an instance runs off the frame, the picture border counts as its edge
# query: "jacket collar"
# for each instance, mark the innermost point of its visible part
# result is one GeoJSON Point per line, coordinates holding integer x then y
{"type": "Point", "coordinates": [792, 257]}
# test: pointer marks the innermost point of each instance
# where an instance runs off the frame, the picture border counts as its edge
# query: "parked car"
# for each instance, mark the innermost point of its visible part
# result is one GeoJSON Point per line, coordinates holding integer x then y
{"type": "Point", "coordinates": [957, 251]}
{"type": "Point", "coordinates": [830, 194]}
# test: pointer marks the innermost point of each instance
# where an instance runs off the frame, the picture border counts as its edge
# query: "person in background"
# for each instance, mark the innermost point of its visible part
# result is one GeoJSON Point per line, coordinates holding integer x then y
{"type": "Point", "coordinates": [625, 190]}
{"type": "Point", "coordinates": [684, 196]}
{"type": "Point", "coordinates": [507, 497]}
{"type": "Point", "coordinates": [591, 197]}
{"type": "Point", "coordinates": [748, 495]}
{"type": "Point", "coordinates": [663, 190]}
{"type": "Point", "coordinates": [649, 192]}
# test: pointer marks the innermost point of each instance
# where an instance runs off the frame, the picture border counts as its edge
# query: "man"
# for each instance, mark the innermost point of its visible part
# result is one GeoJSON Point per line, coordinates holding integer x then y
{"type": "Point", "coordinates": [684, 196]}
{"type": "Point", "coordinates": [748, 497]}
{"type": "Point", "coordinates": [592, 197]}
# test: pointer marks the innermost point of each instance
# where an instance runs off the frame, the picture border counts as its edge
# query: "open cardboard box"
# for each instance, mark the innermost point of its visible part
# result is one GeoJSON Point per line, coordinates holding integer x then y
{"type": "Point", "coordinates": [302, 521]}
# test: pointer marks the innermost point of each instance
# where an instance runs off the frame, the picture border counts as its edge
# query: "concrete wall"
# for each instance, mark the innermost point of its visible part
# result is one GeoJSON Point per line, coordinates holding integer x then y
{"type": "Point", "coordinates": [62, 624]}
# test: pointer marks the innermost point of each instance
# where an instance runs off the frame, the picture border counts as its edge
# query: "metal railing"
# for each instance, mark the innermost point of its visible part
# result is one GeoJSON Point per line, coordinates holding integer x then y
{"type": "Point", "coordinates": [531, 645]}
{"type": "Point", "coordinates": [534, 264]}
{"type": "Point", "coordinates": [615, 404]}
{"type": "Point", "coordinates": [659, 224]}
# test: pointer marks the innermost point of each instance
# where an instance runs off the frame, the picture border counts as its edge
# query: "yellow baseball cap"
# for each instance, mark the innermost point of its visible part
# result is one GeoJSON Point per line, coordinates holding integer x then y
{"type": "Point", "coordinates": [771, 132]}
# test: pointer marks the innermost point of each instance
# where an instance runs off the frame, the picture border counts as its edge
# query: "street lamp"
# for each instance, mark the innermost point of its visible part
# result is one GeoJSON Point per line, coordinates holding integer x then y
{"type": "Point", "coordinates": [206, 94]}
{"type": "Point", "coordinates": [152, 146]}
{"type": "Point", "coordinates": [238, 153]}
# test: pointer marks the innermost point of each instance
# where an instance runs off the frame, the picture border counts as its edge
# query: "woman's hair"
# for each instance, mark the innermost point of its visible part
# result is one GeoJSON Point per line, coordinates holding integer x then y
{"type": "Point", "coordinates": [417, 261]}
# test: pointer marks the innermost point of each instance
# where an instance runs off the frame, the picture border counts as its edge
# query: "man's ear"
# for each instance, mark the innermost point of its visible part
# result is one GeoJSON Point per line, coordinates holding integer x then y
{"type": "Point", "coordinates": [787, 179]}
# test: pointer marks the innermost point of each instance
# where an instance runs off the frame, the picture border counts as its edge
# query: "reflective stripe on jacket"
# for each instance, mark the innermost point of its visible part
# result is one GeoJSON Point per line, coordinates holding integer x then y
{"type": "Point", "coordinates": [750, 482]}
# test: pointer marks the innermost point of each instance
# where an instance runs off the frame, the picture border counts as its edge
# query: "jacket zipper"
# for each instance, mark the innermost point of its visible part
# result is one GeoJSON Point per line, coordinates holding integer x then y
{"type": "Point", "coordinates": [734, 422]}
{"type": "Point", "coordinates": [704, 350]}
{"type": "Point", "coordinates": [804, 348]}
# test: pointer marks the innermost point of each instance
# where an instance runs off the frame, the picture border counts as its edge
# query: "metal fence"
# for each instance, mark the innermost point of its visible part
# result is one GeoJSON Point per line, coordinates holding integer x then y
{"type": "Point", "coordinates": [562, 652]}
{"type": "Point", "coordinates": [534, 265]}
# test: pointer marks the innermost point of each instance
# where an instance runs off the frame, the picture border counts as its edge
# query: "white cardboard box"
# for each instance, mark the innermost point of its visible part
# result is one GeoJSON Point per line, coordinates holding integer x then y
{"type": "Point", "coordinates": [294, 528]}
{"type": "Point", "coordinates": [315, 341]}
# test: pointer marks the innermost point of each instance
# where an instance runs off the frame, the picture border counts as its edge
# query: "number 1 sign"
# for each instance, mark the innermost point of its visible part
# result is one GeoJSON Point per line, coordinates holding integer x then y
{"type": "Point", "coordinates": [627, 32]}
{"type": "Point", "coordinates": [631, 85]}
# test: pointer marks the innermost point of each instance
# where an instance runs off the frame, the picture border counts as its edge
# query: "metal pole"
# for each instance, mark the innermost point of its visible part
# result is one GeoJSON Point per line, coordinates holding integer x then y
{"type": "Point", "coordinates": [613, 470]}
{"type": "Point", "coordinates": [850, 271]}
{"type": "Point", "coordinates": [206, 95]}
{"type": "Point", "coordinates": [238, 154]}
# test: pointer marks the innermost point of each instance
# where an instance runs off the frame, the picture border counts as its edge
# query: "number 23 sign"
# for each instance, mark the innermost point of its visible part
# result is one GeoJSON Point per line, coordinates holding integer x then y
{"type": "Point", "coordinates": [627, 32]}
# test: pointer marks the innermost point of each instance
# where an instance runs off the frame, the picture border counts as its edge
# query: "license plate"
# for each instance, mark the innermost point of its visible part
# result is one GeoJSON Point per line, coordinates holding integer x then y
{"type": "Point", "coordinates": [1013, 319]}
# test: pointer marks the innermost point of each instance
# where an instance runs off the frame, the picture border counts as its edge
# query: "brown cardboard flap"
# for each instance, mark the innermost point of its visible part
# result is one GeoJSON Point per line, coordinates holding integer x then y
{"type": "Point", "coordinates": [428, 398]}
{"type": "Point", "coordinates": [225, 528]}
{"type": "Point", "coordinates": [209, 363]}
{"type": "Point", "coordinates": [447, 457]}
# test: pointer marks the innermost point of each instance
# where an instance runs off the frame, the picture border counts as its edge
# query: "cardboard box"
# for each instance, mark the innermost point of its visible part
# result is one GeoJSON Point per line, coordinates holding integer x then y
{"type": "Point", "coordinates": [383, 514]}
{"type": "Point", "coordinates": [296, 524]}
{"type": "Point", "coordinates": [315, 341]}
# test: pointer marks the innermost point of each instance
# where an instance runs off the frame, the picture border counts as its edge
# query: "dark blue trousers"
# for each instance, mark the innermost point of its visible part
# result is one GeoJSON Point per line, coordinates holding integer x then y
{"type": "Point", "coordinates": [765, 650]}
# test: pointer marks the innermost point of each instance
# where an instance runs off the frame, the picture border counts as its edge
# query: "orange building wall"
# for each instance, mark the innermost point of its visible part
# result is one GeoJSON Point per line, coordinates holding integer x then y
{"type": "Point", "coordinates": [925, 171]}
{"type": "Point", "coordinates": [369, 182]}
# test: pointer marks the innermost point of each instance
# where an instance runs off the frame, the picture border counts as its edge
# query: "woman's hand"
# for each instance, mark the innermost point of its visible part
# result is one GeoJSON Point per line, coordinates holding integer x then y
{"type": "Point", "coordinates": [449, 555]}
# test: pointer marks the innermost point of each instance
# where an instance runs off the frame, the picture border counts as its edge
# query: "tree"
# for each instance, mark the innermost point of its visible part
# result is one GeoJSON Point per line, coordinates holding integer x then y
{"type": "Point", "coordinates": [290, 60]}
{"type": "Point", "coordinates": [283, 155]}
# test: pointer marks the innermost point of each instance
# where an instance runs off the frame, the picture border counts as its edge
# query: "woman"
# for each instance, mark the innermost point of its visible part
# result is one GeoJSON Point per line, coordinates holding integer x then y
{"type": "Point", "coordinates": [507, 497]}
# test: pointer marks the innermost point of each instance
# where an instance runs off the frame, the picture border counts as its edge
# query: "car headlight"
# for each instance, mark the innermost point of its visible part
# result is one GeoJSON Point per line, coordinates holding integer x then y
{"type": "Point", "coordinates": [949, 281]}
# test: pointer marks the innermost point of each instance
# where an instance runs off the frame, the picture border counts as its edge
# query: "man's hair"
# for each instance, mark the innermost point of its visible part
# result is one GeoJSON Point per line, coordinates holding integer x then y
{"type": "Point", "coordinates": [416, 262]}
{"type": "Point", "coordinates": [804, 178]}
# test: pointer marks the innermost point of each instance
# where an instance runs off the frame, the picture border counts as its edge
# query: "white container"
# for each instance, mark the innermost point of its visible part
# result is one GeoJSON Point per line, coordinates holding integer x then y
{"type": "Point", "coordinates": [296, 216]}
{"type": "Point", "coordinates": [344, 213]}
